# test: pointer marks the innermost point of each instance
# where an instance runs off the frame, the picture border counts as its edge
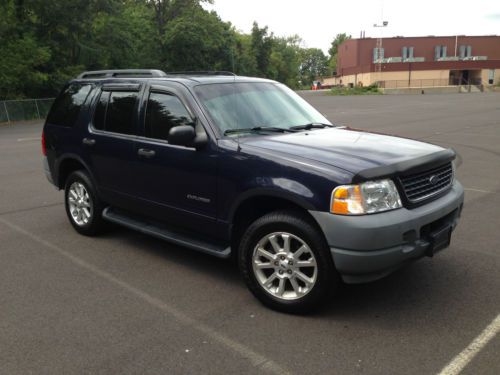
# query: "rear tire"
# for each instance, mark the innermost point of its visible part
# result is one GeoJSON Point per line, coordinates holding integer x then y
{"type": "Point", "coordinates": [286, 262]}
{"type": "Point", "coordinates": [83, 206]}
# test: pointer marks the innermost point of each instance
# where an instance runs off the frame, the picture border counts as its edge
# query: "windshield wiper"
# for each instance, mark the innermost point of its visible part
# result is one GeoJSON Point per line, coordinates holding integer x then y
{"type": "Point", "coordinates": [312, 125]}
{"type": "Point", "coordinates": [258, 129]}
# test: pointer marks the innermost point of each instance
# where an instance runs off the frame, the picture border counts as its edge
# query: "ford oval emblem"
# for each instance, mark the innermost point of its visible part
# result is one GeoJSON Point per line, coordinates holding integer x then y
{"type": "Point", "coordinates": [433, 180]}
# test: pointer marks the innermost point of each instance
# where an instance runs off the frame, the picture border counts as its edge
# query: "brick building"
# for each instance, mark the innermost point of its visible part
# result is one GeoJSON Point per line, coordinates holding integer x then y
{"type": "Point", "coordinates": [418, 61]}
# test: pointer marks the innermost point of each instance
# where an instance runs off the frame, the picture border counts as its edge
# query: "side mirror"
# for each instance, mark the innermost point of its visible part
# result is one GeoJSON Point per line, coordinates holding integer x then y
{"type": "Point", "coordinates": [182, 135]}
{"type": "Point", "coordinates": [185, 135]}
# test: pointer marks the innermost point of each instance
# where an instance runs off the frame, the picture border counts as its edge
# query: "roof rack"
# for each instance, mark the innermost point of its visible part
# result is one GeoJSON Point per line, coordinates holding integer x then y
{"type": "Point", "coordinates": [203, 73]}
{"type": "Point", "coordinates": [123, 73]}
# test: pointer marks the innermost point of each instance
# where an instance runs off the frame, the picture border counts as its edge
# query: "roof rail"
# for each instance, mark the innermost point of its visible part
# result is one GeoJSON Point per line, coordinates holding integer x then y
{"type": "Point", "coordinates": [123, 73]}
{"type": "Point", "coordinates": [203, 73]}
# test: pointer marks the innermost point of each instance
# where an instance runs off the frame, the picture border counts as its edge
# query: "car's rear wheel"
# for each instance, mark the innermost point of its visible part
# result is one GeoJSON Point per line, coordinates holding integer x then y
{"type": "Point", "coordinates": [286, 262]}
{"type": "Point", "coordinates": [83, 207]}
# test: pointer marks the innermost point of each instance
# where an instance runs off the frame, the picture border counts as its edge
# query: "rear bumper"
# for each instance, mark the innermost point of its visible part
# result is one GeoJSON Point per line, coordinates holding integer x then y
{"type": "Point", "coordinates": [46, 169]}
{"type": "Point", "coordinates": [366, 248]}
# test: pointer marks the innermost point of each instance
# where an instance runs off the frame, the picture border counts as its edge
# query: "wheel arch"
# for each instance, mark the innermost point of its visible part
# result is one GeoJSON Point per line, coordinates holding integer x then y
{"type": "Point", "coordinates": [255, 205]}
{"type": "Point", "coordinates": [68, 164]}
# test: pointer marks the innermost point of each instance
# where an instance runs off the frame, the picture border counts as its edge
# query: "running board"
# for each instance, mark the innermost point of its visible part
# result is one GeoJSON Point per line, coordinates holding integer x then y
{"type": "Point", "coordinates": [159, 231]}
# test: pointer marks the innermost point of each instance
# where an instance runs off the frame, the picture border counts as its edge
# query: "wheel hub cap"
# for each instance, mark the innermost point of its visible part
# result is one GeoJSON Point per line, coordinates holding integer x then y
{"type": "Point", "coordinates": [284, 265]}
{"type": "Point", "coordinates": [79, 204]}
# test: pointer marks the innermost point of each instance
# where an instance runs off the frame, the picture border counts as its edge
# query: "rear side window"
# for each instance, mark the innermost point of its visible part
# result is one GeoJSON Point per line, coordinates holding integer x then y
{"type": "Point", "coordinates": [66, 107]}
{"type": "Point", "coordinates": [115, 112]}
{"type": "Point", "coordinates": [164, 111]}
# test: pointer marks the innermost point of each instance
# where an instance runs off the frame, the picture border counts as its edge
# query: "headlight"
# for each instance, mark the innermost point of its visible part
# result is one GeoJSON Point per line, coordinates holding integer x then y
{"type": "Point", "coordinates": [365, 198]}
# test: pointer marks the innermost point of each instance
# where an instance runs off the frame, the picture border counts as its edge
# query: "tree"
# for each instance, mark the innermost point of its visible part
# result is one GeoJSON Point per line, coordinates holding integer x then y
{"type": "Point", "coordinates": [199, 41]}
{"type": "Point", "coordinates": [245, 62]}
{"type": "Point", "coordinates": [46, 43]}
{"type": "Point", "coordinates": [125, 39]}
{"type": "Point", "coordinates": [314, 64]}
{"type": "Point", "coordinates": [333, 51]}
{"type": "Point", "coordinates": [22, 57]}
{"type": "Point", "coordinates": [285, 61]}
{"type": "Point", "coordinates": [62, 27]}
{"type": "Point", "coordinates": [262, 44]}
{"type": "Point", "coordinates": [168, 10]}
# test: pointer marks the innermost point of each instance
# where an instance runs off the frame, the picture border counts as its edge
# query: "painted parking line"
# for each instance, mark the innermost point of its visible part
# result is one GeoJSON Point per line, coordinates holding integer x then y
{"type": "Point", "coordinates": [260, 362]}
{"type": "Point", "coordinates": [458, 363]}
{"type": "Point", "coordinates": [28, 139]}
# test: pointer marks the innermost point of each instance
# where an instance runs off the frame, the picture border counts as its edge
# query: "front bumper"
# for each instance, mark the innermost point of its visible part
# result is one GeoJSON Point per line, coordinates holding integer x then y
{"type": "Point", "coordinates": [366, 248]}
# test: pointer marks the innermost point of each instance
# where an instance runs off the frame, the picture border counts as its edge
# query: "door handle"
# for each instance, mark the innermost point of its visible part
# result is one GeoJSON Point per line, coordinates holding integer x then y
{"type": "Point", "coordinates": [146, 153]}
{"type": "Point", "coordinates": [88, 141]}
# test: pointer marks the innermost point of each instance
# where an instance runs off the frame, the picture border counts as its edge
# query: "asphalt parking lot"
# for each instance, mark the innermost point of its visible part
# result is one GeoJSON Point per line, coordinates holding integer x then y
{"type": "Point", "coordinates": [124, 303]}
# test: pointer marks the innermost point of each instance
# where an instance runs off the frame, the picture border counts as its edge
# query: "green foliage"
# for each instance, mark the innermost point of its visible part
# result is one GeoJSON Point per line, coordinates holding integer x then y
{"type": "Point", "coordinates": [199, 41]}
{"type": "Point", "coordinates": [359, 90]}
{"type": "Point", "coordinates": [46, 43]}
{"type": "Point", "coordinates": [262, 44]}
{"type": "Point", "coordinates": [127, 38]}
{"type": "Point", "coordinates": [168, 10]}
{"type": "Point", "coordinates": [314, 64]}
{"type": "Point", "coordinates": [21, 55]}
{"type": "Point", "coordinates": [285, 60]}
{"type": "Point", "coordinates": [244, 58]}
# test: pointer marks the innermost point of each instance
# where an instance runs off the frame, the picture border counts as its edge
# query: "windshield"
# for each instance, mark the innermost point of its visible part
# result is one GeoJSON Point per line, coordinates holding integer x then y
{"type": "Point", "coordinates": [252, 105]}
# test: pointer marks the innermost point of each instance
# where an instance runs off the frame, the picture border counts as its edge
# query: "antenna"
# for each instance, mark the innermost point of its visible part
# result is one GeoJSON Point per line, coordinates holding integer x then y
{"type": "Point", "coordinates": [238, 149]}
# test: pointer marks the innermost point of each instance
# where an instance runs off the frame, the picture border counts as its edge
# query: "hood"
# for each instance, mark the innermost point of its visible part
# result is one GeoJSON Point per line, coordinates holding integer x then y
{"type": "Point", "coordinates": [344, 148]}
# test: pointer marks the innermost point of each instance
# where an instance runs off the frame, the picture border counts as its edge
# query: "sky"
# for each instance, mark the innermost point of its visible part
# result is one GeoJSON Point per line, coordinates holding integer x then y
{"type": "Point", "coordinates": [318, 21]}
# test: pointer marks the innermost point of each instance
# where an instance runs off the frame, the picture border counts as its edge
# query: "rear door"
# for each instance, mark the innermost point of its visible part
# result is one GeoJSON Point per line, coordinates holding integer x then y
{"type": "Point", "coordinates": [178, 184]}
{"type": "Point", "coordinates": [110, 142]}
{"type": "Point", "coordinates": [63, 121]}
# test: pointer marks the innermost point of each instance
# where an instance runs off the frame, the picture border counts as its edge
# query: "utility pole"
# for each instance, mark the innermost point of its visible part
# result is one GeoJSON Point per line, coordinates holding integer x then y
{"type": "Point", "coordinates": [378, 67]}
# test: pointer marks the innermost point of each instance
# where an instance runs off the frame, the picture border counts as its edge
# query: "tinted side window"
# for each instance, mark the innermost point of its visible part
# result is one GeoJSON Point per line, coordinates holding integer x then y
{"type": "Point", "coordinates": [100, 111]}
{"type": "Point", "coordinates": [120, 112]}
{"type": "Point", "coordinates": [66, 107]}
{"type": "Point", "coordinates": [163, 112]}
{"type": "Point", "coordinates": [115, 112]}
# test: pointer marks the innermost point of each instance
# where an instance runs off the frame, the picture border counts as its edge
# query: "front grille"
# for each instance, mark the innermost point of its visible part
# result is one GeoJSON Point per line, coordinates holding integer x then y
{"type": "Point", "coordinates": [424, 185]}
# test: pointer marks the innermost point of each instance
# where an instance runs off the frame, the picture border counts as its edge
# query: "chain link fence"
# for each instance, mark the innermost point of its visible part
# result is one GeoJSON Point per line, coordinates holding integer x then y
{"type": "Point", "coordinates": [24, 110]}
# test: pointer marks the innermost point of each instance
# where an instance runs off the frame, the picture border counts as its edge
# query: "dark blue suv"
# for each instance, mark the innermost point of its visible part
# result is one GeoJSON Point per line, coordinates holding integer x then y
{"type": "Point", "coordinates": [236, 165]}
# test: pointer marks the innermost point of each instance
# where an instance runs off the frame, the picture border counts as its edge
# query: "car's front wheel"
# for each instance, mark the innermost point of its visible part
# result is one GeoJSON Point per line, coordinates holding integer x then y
{"type": "Point", "coordinates": [286, 262]}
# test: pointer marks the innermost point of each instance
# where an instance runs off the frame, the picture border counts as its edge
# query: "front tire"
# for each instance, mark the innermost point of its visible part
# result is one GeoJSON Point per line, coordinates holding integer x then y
{"type": "Point", "coordinates": [286, 262]}
{"type": "Point", "coordinates": [83, 207]}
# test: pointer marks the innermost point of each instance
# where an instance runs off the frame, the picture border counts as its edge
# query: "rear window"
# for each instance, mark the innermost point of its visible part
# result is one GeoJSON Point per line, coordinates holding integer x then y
{"type": "Point", "coordinates": [115, 112]}
{"type": "Point", "coordinates": [66, 107]}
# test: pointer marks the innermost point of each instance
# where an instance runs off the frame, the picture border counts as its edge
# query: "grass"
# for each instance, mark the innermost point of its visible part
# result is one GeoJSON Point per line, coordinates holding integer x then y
{"type": "Point", "coordinates": [368, 90]}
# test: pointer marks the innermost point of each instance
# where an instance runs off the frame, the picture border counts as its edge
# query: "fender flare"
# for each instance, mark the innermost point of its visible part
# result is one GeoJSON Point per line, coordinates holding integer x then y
{"type": "Point", "coordinates": [75, 157]}
{"type": "Point", "coordinates": [268, 193]}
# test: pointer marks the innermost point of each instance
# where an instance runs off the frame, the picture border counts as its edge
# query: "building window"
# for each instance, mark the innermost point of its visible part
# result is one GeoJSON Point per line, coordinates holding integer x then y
{"type": "Point", "coordinates": [407, 53]}
{"type": "Point", "coordinates": [439, 52]}
{"type": "Point", "coordinates": [378, 54]}
{"type": "Point", "coordinates": [465, 51]}
{"type": "Point", "coordinates": [491, 76]}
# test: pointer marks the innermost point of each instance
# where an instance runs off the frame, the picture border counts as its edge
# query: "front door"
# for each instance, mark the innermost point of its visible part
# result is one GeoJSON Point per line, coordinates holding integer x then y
{"type": "Point", "coordinates": [177, 184]}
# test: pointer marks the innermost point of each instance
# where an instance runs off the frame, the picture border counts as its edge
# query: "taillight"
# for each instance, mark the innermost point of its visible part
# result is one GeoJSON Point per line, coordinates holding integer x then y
{"type": "Point", "coordinates": [44, 148]}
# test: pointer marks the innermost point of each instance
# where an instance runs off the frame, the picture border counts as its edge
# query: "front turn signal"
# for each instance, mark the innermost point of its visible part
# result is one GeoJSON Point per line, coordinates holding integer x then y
{"type": "Point", "coordinates": [347, 200]}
